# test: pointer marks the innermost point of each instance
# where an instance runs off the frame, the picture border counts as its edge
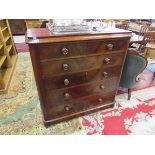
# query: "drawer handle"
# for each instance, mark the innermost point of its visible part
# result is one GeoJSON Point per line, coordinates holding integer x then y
{"type": "Point", "coordinates": [67, 96]}
{"type": "Point", "coordinates": [110, 46]}
{"type": "Point", "coordinates": [107, 60]}
{"type": "Point", "coordinates": [64, 51]}
{"type": "Point", "coordinates": [66, 82]}
{"type": "Point", "coordinates": [105, 74]}
{"type": "Point", "coordinates": [102, 86]}
{"type": "Point", "coordinates": [67, 108]}
{"type": "Point", "coordinates": [100, 100]}
{"type": "Point", "coordinates": [65, 67]}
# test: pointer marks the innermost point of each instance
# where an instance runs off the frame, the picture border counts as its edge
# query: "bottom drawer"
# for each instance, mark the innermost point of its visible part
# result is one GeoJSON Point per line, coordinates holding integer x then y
{"type": "Point", "coordinates": [78, 106]}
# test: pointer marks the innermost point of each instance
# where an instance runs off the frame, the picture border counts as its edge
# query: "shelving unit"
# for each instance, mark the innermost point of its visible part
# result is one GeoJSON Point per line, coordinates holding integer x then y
{"type": "Point", "coordinates": [8, 56]}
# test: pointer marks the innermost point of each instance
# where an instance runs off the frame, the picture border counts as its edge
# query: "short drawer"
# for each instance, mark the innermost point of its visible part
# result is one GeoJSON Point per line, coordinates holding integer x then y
{"type": "Point", "coordinates": [63, 66]}
{"type": "Point", "coordinates": [72, 79]}
{"type": "Point", "coordinates": [62, 50]}
{"type": "Point", "coordinates": [77, 106]}
{"type": "Point", "coordinates": [56, 97]}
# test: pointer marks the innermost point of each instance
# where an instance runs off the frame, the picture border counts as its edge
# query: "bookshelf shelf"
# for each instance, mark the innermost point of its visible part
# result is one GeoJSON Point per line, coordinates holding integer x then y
{"type": "Point", "coordinates": [2, 59]}
{"type": "Point", "coordinates": [1, 46]}
{"type": "Point", "coordinates": [3, 29]}
{"type": "Point", "coordinates": [8, 56]}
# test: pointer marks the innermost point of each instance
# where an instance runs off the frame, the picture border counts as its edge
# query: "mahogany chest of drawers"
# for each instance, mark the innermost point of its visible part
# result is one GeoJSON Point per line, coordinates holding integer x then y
{"type": "Point", "coordinates": [76, 74]}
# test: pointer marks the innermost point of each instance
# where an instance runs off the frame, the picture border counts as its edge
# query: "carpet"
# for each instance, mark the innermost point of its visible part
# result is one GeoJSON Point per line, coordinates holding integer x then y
{"type": "Point", "coordinates": [22, 47]}
{"type": "Point", "coordinates": [20, 112]}
{"type": "Point", "coordinates": [151, 67]}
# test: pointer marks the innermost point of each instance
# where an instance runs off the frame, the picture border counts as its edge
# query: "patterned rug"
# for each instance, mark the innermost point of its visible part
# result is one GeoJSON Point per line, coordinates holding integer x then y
{"type": "Point", "coordinates": [20, 111]}
{"type": "Point", "coordinates": [22, 47]}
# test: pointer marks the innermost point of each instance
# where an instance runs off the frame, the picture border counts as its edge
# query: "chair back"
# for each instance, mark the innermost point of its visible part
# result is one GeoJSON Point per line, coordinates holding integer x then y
{"type": "Point", "coordinates": [149, 42]}
{"type": "Point", "coordinates": [134, 65]}
{"type": "Point", "coordinates": [142, 31]}
{"type": "Point", "coordinates": [149, 37]}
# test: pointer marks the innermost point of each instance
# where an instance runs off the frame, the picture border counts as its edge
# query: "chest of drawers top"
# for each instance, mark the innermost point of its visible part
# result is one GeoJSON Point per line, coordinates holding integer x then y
{"type": "Point", "coordinates": [43, 35]}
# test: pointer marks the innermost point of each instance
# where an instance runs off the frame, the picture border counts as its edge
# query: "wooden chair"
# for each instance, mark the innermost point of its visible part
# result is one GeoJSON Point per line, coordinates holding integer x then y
{"type": "Point", "coordinates": [143, 31]}
{"type": "Point", "coordinates": [133, 67]}
{"type": "Point", "coordinates": [148, 36]}
{"type": "Point", "coordinates": [149, 41]}
{"type": "Point", "coordinates": [141, 34]}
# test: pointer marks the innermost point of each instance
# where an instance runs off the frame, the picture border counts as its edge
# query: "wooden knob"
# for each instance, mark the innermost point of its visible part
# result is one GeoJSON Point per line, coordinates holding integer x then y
{"type": "Point", "coordinates": [110, 46]}
{"type": "Point", "coordinates": [100, 100]}
{"type": "Point", "coordinates": [102, 86]}
{"type": "Point", "coordinates": [65, 67]}
{"type": "Point", "coordinates": [67, 95]}
{"type": "Point", "coordinates": [67, 108]}
{"type": "Point", "coordinates": [107, 60]}
{"type": "Point", "coordinates": [105, 74]}
{"type": "Point", "coordinates": [66, 82]}
{"type": "Point", "coordinates": [65, 51]}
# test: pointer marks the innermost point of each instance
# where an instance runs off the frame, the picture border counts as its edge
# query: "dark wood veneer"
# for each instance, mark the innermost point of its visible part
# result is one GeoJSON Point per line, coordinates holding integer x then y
{"type": "Point", "coordinates": [76, 64]}
{"type": "Point", "coordinates": [79, 105]}
{"type": "Point", "coordinates": [55, 97]}
{"type": "Point", "coordinates": [79, 48]}
{"type": "Point", "coordinates": [76, 74]}
{"type": "Point", "coordinates": [57, 82]}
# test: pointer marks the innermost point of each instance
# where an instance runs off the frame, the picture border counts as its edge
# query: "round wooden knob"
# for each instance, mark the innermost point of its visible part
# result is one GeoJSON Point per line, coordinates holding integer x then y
{"type": "Point", "coordinates": [66, 82]}
{"type": "Point", "coordinates": [107, 60]}
{"type": "Point", "coordinates": [105, 74]}
{"type": "Point", "coordinates": [65, 51]}
{"type": "Point", "coordinates": [67, 95]}
{"type": "Point", "coordinates": [67, 108]}
{"type": "Point", "coordinates": [65, 67]}
{"type": "Point", "coordinates": [100, 100]}
{"type": "Point", "coordinates": [110, 46]}
{"type": "Point", "coordinates": [102, 86]}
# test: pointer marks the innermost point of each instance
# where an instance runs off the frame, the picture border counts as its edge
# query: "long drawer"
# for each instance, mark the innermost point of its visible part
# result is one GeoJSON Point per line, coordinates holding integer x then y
{"type": "Point", "coordinates": [80, 105]}
{"type": "Point", "coordinates": [72, 79]}
{"type": "Point", "coordinates": [59, 96]}
{"type": "Point", "coordinates": [62, 50]}
{"type": "Point", "coordinates": [63, 66]}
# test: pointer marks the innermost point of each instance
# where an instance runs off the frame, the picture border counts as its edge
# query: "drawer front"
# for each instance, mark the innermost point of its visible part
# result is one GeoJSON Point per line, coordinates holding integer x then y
{"type": "Point", "coordinates": [69, 80]}
{"type": "Point", "coordinates": [63, 66]}
{"type": "Point", "coordinates": [64, 109]}
{"type": "Point", "coordinates": [103, 87]}
{"type": "Point", "coordinates": [62, 50]}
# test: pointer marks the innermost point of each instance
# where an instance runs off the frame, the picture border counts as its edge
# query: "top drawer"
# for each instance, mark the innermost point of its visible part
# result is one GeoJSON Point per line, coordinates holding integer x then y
{"type": "Point", "coordinates": [61, 50]}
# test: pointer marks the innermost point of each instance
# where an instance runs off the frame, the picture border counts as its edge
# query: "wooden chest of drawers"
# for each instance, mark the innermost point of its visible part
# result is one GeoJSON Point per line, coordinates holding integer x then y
{"type": "Point", "coordinates": [76, 74]}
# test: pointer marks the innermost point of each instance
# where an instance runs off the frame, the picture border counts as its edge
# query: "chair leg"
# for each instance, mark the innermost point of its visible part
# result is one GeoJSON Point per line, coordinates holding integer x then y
{"type": "Point", "coordinates": [129, 93]}
{"type": "Point", "coordinates": [153, 76]}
